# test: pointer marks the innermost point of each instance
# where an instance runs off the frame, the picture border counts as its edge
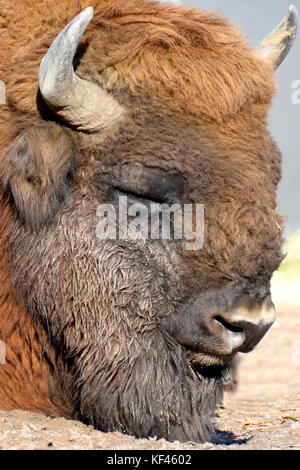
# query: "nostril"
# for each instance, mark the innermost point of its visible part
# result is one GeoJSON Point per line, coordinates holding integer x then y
{"type": "Point", "coordinates": [233, 335]}
{"type": "Point", "coordinates": [228, 326]}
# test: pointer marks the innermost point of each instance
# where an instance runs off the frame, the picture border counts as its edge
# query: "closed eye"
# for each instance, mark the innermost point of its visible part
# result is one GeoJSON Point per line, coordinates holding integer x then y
{"type": "Point", "coordinates": [150, 184]}
{"type": "Point", "coordinates": [122, 189]}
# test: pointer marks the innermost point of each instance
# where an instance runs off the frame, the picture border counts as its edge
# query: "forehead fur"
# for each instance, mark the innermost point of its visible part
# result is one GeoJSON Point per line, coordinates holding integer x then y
{"type": "Point", "coordinates": [190, 60]}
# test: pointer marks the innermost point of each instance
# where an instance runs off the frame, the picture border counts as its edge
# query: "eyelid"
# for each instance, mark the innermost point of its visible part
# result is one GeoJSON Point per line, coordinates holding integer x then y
{"type": "Point", "coordinates": [140, 191]}
{"type": "Point", "coordinates": [148, 183]}
{"type": "Point", "coordinates": [142, 196]}
{"type": "Point", "coordinates": [126, 186]}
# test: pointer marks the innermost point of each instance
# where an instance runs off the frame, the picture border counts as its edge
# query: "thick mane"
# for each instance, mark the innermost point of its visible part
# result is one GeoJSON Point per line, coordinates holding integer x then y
{"type": "Point", "coordinates": [190, 60]}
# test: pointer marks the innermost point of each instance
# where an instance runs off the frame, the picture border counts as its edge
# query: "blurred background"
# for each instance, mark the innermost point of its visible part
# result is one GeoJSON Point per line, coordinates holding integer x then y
{"type": "Point", "coordinates": [257, 19]}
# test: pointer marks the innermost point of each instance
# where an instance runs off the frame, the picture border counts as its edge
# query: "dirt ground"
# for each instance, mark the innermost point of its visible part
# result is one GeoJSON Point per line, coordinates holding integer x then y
{"type": "Point", "coordinates": [263, 413]}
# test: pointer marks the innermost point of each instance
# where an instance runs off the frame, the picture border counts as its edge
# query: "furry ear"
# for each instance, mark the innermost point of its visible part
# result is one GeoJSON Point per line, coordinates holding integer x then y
{"type": "Point", "coordinates": [36, 172]}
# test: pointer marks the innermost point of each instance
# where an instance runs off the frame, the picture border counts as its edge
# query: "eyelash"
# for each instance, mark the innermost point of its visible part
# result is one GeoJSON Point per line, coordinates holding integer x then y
{"type": "Point", "coordinates": [139, 196]}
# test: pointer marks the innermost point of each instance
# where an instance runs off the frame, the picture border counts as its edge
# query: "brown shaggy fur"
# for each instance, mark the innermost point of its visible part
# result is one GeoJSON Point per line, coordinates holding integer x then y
{"type": "Point", "coordinates": [81, 321]}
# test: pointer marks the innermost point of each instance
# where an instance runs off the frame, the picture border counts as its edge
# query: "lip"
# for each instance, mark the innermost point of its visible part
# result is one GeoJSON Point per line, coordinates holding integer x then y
{"type": "Point", "coordinates": [208, 359]}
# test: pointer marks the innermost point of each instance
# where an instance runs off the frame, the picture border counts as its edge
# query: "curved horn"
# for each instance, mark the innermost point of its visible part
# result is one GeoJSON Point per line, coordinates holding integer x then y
{"type": "Point", "coordinates": [278, 44]}
{"type": "Point", "coordinates": [81, 103]}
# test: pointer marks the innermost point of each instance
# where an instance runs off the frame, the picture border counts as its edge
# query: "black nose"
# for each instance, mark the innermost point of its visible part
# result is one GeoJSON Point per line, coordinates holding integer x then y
{"type": "Point", "coordinates": [218, 324]}
{"type": "Point", "coordinates": [243, 328]}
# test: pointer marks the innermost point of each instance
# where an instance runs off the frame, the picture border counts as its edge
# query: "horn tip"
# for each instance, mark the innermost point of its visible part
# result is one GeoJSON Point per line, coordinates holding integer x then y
{"type": "Point", "coordinates": [84, 16]}
{"type": "Point", "coordinates": [293, 10]}
{"type": "Point", "coordinates": [292, 19]}
{"type": "Point", "coordinates": [88, 12]}
{"type": "Point", "coordinates": [292, 16]}
{"type": "Point", "coordinates": [91, 9]}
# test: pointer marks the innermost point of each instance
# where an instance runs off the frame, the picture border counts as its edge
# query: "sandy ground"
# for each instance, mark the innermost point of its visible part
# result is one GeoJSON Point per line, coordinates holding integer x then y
{"type": "Point", "coordinates": [263, 413]}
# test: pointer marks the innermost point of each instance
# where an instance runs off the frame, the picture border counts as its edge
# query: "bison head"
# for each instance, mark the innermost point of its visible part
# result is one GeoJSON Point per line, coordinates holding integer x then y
{"type": "Point", "coordinates": [167, 107]}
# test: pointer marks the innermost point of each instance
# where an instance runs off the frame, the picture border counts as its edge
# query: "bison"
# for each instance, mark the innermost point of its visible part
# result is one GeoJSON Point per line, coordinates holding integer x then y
{"type": "Point", "coordinates": [158, 104]}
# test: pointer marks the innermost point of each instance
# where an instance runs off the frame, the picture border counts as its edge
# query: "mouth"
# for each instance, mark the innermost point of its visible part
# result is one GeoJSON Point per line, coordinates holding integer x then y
{"type": "Point", "coordinates": [208, 359]}
{"type": "Point", "coordinates": [208, 366]}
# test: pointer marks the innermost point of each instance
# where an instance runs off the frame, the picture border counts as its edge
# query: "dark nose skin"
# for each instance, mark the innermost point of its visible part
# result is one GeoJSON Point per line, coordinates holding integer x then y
{"type": "Point", "coordinates": [221, 322]}
{"type": "Point", "coordinates": [244, 326]}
